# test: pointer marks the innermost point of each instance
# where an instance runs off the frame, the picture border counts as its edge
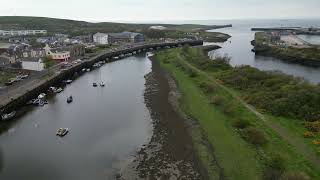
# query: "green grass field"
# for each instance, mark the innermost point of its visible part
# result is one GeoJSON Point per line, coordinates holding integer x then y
{"type": "Point", "coordinates": [239, 159]}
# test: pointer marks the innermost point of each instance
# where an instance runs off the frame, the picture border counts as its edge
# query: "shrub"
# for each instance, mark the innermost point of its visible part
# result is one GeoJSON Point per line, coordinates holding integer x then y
{"type": "Point", "coordinates": [313, 126]}
{"type": "Point", "coordinates": [192, 73]}
{"type": "Point", "coordinates": [207, 87]}
{"type": "Point", "coordinates": [316, 142]}
{"type": "Point", "coordinates": [241, 124]}
{"type": "Point", "coordinates": [308, 134]}
{"type": "Point", "coordinates": [275, 167]}
{"type": "Point", "coordinates": [294, 176]}
{"type": "Point", "coordinates": [166, 61]}
{"type": "Point", "coordinates": [216, 100]}
{"type": "Point", "coordinates": [254, 136]}
{"type": "Point", "coordinates": [229, 110]}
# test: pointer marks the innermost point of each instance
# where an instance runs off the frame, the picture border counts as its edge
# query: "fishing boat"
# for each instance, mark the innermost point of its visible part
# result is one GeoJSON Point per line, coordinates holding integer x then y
{"type": "Point", "coordinates": [42, 96]}
{"type": "Point", "coordinates": [102, 84]}
{"type": "Point", "coordinates": [5, 117]}
{"type": "Point", "coordinates": [69, 99]}
{"type": "Point", "coordinates": [59, 90]}
{"type": "Point", "coordinates": [62, 132]}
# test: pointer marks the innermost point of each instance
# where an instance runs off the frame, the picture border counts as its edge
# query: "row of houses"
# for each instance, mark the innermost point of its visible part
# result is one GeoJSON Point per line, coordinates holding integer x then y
{"type": "Point", "coordinates": [28, 56]}
{"type": "Point", "coordinates": [114, 38]}
{"type": "Point", "coordinates": [22, 32]}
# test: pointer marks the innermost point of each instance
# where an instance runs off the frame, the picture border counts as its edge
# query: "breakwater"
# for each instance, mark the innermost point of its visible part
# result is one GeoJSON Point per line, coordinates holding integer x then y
{"type": "Point", "coordinates": [24, 94]}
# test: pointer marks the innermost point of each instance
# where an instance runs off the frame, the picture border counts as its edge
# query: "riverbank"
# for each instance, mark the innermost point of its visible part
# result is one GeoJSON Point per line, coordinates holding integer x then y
{"type": "Point", "coordinates": [292, 52]}
{"type": "Point", "coordinates": [19, 96]}
{"type": "Point", "coordinates": [246, 142]}
{"type": "Point", "coordinates": [170, 153]}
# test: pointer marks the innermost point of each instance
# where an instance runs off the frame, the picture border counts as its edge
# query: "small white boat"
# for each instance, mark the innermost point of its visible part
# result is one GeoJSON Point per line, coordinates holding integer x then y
{"type": "Point", "coordinates": [69, 81]}
{"type": "Point", "coordinates": [52, 89]}
{"type": "Point", "coordinates": [42, 96]}
{"type": "Point", "coordinates": [102, 84]}
{"type": "Point", "coordinates": [62, 132]}
{"type": "Point", "coordinates": [149, 54]}
{"type": "Point", "coordinates": [88, 70]}
{"type": "Point", "coordinates": [59, 90]}
{"type": "Point", "coordinates": [5, 117]}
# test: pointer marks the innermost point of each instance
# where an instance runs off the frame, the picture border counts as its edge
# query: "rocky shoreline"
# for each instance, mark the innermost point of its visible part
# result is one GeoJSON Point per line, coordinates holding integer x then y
{"type": "Point", "coordinates": [170, 153]}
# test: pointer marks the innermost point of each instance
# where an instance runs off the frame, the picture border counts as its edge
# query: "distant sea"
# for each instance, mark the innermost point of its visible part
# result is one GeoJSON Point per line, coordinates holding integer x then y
{"type": "Point", "coordinates": [255, 22]}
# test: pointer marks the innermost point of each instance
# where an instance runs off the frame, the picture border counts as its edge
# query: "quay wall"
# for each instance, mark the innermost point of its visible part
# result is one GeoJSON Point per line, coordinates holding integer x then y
{"type": "Point", "coordinates": [19, 100]}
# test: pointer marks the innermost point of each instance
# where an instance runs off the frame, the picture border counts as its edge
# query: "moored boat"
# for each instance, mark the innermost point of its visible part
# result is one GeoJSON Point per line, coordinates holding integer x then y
{"type": "Point", "coordinates": [62, 132]}
{"type": "Point", "coordinates": [69, 99]}
{"type": "Point", "coordinates": [94, 84]}
{"type": "Point", "coordinates": [5, 117]}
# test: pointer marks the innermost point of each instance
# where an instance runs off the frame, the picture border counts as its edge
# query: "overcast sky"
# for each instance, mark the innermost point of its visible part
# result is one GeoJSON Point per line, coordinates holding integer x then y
{"type": "Point", "coordinates": [163, 10]}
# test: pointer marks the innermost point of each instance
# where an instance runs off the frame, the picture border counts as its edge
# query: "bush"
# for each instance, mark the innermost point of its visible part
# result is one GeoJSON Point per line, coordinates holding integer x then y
{"type": "Point", "coordinates": [216, 100]}
{"type": "Point", "coordinates": [241, 124]}
{"type": "Point", "coordinates": [276, 166]}
{"type": "Point", "coordinates": [313, 126]}
{"type": "Point", "coordinates": [316, 142]}
{"type": "Point", "coordinates": [192, 73]}
{"type": "Point", "coordinates": [254, 136]}
{"type": "Point", "coordinates": [229, 109]}
{"type": "Point", "coordinates": [308, 134]}
{"type": "Point", "coordinates": [207, 87]}
{"type": "Point", "coordinates": [294, 176]}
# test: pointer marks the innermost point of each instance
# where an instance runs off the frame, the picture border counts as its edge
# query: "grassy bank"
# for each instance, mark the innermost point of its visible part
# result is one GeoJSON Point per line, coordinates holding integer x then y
{"type": "Point", "coordinates": [243, 145]}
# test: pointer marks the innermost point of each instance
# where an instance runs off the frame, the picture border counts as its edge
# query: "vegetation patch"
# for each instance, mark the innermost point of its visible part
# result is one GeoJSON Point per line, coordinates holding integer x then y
{"type": "Point", "coordinates": [5, 76]}
{"type": "Point", "coordinates": [244, 145]}
{"type": "Point", "coordinates": [48, 62]}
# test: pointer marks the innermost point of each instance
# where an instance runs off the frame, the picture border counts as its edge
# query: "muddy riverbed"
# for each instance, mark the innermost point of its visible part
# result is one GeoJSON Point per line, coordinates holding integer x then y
{"type": "Point", "coordinates": [170, 153]}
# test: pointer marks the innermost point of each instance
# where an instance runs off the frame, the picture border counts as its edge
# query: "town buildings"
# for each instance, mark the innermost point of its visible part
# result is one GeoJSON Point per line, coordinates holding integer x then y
{"type": "Point", "coordinates": [56, 54]}
{"type": "Point", "coordinates": [101, 38]}
{"type": "Point", "coordinates": [126, 37]}
{"type": "Point", "coordinates": [22, 32]}
{"type": "Point", "coordinates": [116, 38]}
{"type": "Point", "coordinates": [32, 63]}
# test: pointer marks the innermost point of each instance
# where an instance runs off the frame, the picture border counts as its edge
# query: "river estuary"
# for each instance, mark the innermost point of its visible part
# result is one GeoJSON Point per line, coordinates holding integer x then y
{"type": "Point", "coordinates": [107, 127]}
{"type": "Point", "coordinates": [239, 48]}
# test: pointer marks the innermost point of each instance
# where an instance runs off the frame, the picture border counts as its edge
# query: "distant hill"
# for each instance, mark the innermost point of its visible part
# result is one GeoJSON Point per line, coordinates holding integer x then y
{"type": "Point", "coordinates": [81, 27]}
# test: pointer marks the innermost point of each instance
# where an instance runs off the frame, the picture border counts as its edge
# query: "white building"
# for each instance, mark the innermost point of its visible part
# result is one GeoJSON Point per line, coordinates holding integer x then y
{"type": "Point", "coordinates": [34, 64]}
{"type": "Point", "coordinates": [101, 38]}
{"type": "Point", "coordinates": [22, 32]}
{"type": "Point", "coordinates": [158, 27]}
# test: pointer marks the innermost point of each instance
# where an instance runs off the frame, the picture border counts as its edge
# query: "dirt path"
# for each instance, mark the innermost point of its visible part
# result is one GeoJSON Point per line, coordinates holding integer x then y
{"type": "Point", "coordinates": [298, 144]}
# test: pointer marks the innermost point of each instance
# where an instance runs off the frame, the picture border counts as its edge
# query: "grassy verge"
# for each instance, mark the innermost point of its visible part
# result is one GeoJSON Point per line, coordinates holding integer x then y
{"type": "Point", "coordinates": [243, 145]}
{"type": "Point", "coordinates": [5, 76]}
